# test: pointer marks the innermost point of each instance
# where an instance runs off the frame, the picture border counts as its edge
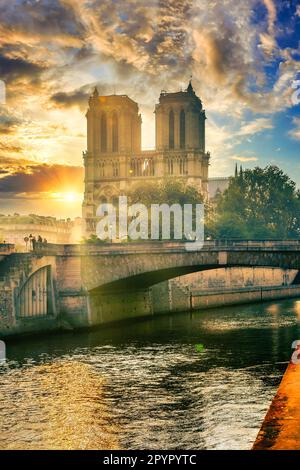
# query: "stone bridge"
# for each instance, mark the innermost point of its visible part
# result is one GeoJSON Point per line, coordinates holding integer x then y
{"type": "Point", "coordinates": [81, 285]}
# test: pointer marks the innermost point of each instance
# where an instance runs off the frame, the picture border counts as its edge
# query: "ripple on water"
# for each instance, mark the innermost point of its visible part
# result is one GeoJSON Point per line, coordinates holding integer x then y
{"type": "Point", "coordinates": [55, 406]}
{"type": "Point", "coordinates": [147, 385]}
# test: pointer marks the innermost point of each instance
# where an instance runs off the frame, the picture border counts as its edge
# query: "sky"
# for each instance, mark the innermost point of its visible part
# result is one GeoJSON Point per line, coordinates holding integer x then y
{"type": "Point", "coordinates": [243, 56]}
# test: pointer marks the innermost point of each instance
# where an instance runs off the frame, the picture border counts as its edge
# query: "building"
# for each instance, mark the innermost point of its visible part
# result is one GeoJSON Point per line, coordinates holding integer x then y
{"type": "Point", "coordinates": [14, 228]}
{"type": "Point", "coordinates": [217, 185]}
{"type": "Point", "coordinates": [114, 161]}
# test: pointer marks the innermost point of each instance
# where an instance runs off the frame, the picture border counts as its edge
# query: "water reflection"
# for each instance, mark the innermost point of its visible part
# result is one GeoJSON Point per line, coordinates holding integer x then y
{"type": "Point", "coordinates": [297, 308]}
{"type": "Point", "coordinates": [57, 406]}
{"type": "Point", "coordinates": [145, 385]}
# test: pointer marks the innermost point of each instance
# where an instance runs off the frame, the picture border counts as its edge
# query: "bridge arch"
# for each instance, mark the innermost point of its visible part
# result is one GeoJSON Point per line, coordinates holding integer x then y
{"type": "Point", "coordinates": [35, 297]}
{"type": "Point", "coordinates": [150, 278]}
{"type": "Point", "coordinates": [140, 270]}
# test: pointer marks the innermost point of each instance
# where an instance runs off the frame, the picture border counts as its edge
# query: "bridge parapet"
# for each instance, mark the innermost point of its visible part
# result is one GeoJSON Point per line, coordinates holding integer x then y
{"type": "Point", "coordinates": [90, 284]}
{"type": "Point", "coordinates": [164, 247]}
{"type": "Point", "coordinates": [7, 248]}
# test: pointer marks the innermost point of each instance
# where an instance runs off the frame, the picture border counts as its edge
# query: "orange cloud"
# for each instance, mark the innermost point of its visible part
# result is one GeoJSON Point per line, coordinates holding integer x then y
{"type": "Point", "coordinates": [24, 176]}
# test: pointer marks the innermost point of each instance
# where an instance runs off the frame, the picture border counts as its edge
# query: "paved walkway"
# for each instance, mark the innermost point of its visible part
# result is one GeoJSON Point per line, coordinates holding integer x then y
{"type": "Point", "coordinates": [281, 427]}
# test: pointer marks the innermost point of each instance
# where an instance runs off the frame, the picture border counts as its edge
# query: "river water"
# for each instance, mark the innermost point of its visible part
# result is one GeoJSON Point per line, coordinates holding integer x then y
{"type": "Point", "coordinates": [190, 381]}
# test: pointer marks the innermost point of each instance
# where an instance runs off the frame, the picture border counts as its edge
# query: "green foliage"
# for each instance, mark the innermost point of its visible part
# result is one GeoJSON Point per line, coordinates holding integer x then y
{"type": "Point", "coordinates": [93, 239]}
{"type": "Point", "coordinates": [262, 203]}
{"type": "Point", "coordinates": [170, 191]}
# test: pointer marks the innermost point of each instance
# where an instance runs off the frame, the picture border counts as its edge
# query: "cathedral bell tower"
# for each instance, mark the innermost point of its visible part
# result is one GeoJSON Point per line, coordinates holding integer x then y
{"type": "Point", "coordinates": [180, 121]}
{"type": "Point", "coordinates": [113, 137]}
{"type": "Point", "coordinates": [114, 162]}
{"type": "Point", "coordinates": [180, 137]}
{"type": "Point", "coordinates": [113, 124]}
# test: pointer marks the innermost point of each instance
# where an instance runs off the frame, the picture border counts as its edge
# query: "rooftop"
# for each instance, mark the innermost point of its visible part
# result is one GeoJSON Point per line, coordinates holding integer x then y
{"type": "Point", "coordinates": [95, 98]}
{"type": "Point", "coordinates": [189, 93]}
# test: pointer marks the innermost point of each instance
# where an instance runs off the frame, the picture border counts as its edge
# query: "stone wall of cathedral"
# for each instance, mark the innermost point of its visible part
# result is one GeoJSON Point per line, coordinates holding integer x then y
{"type": "Point", "coordinates": [114, 162]}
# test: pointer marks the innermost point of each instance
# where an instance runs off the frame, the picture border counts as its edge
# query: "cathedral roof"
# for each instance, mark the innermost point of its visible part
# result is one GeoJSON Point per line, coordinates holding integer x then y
{"type": "Point", "coordinates": [189, 94]}
{"type": "Point", "coordinates": [108, 100]}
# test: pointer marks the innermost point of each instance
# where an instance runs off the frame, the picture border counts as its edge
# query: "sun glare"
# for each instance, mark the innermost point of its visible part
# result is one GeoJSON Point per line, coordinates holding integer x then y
{"type": "Point", "coordinates": [69, 196]}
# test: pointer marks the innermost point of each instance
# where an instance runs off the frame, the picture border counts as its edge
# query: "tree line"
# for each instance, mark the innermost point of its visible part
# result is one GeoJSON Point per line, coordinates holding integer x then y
{"type": "Point", "coordinates": [261, 203]}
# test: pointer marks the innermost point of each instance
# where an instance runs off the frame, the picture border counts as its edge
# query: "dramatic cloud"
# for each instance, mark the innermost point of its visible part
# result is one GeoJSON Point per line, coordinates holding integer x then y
{"type": "Point", "coordinates": [272, 11]}
{"type": "Point", "coordinates": [240, 158]}
{"type": "Point", "coordinates": [10, 69]}
{"type": "Point", "coordinates": [256, 126]}
{"type": "Point", "coordinates": [242, 56]}
{"type": "Point", "coordinates": [68, 100]}
{"type": "Point", "coordinates": [295, 132]}
{"type": "Point", "coordinates": [9, 121]}
{"type": "Point", "coordinates": [23, 176]}
{"type": "Point", "coordinates": [158, 42]}
{"type": "Point", "coordinates": [50, 19]}
{"type": "Point", "coordinates": [79, 97]}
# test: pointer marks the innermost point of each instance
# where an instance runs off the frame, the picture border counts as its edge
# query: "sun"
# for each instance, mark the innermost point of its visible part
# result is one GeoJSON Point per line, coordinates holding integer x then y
{"type": "Point", "coordinates": [68, 196]}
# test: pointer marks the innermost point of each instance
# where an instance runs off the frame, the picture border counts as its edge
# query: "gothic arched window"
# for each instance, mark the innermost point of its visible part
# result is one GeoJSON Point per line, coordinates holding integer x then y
{"type": "Point", "coordinates": [101, 168]}
{"type": "Point", "coordinates": [182, 129]}
{"type": "Point", "coordinates": [183, 166]}
{"type": "Point", "coordinates": [201, 132]}
{"type": "Point", "coordinates": [133, 167]}
{"type": "Point", "coordinates": [116, 168]}
{"type": "Point", "coordinates": [103, 133]}
{"type": "Point", "coordinates": [140, 167]}
{"type": "Point", "coordinates": [171, 129]}
{"type": "Point", "coordinates": [170, 166]}
{"type": "Point", "coordinates": [115, 134]}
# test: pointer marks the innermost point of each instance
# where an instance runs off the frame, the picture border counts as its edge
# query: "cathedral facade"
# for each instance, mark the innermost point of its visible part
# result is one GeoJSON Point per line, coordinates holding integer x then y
{"type": "Point", "coordinates": [114, 161]}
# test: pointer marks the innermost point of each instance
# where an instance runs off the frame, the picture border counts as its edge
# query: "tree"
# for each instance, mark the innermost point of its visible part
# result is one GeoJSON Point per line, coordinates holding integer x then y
{"type": "Point", "coordinates": [260, 203]}
{"type": "Point", "coordinates": [93, 239]}
{"type": "Point", "coordinates": [169, 191]}
{"type": "Point", "coordinates": [228, 226]}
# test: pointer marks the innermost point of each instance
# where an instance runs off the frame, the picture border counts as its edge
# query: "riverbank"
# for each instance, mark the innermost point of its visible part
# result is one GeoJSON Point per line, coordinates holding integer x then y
{"type": "Point", "coordinates": [164, 298]}
{"type": "Point", "coordinates": [171, 297]}
{"type": "Point", "coordinates": [242, 296]}
{"type": "Point", "coordinates": [281, 427]}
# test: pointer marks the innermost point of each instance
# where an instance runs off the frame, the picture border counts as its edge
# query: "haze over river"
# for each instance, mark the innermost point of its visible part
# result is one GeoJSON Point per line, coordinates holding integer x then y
{"type": "Point", "coordinates": [149, 384]}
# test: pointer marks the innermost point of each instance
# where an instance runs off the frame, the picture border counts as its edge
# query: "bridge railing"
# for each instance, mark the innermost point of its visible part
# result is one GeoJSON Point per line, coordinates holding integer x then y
{"type": "Point", "coordinates": [163, 246]}
{"type": "Point", "coordinates": [235, 243]}
{"type": "Point", "coordinates": [6, 248]}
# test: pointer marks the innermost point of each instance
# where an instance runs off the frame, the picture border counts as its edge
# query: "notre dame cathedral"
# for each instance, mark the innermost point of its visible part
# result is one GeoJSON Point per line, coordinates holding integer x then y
{"type": "Point", "coordinates": [114, 161]}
